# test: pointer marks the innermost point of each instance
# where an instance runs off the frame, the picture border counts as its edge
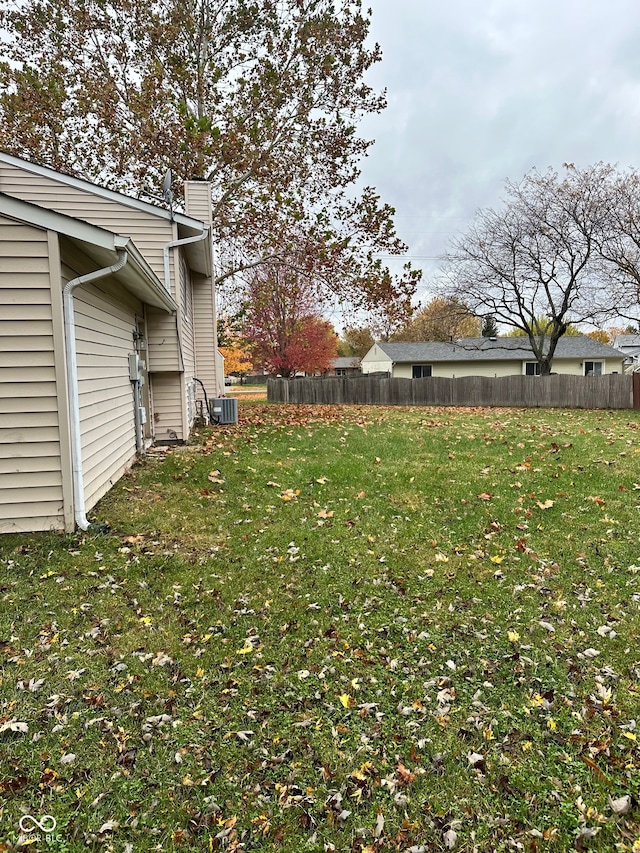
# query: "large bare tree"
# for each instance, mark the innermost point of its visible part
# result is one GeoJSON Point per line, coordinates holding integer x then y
{"type": "Point", "coordinates": [619, 245]}
{"type": "Point", "coordinates": [532, 264]}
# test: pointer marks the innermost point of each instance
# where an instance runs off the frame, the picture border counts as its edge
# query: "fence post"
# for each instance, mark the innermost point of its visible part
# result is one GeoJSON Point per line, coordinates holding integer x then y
{"type": "Point", "coordinates": [636, 390]}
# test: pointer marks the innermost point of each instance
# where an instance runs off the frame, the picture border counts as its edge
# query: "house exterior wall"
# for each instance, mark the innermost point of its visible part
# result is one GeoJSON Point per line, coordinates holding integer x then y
{"type": "Point", "coordinates": [187, 341]}
{"type": "Point", "coordinates": [105, 320]}
{"type": "Point", "coordinates": [455, 369]}
{"type": "Point", "coordinates": [376, 361]}
{"type": "Point", "coordinates": [31, 446]}
{"type": "Point", "coordinates": [166, 391]}
{"type": "Point", "coordinates": [197, 200]}
{"type": "Point", "coordinates": [197, 195]}
{"type": "Point", "coordinates": [150, 233]}
{"type": "Point", "coordinates": [204, 322]}
{"type": "Point", "coordinates": [36, 488]}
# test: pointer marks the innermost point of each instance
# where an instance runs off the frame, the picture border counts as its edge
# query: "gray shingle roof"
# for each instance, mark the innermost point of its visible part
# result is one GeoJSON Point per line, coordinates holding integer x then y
{"type": "Point", "coordinates": [346, 361]}
{"type": "Point", "coordinates": [627, 341]}
{"type": "Point", "coordinates": [494, 349]}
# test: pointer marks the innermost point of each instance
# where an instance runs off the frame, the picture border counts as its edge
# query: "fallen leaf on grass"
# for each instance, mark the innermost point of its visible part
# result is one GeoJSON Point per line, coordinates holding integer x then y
{"type": "Point", "coordinates": [585, 834]}
{"type": "Point", "coordinates": [377, 832]}
{"type": "Point", "coordinates": [14, 726]}
{"type": "Point", "coordinates": [620, 806]}
{"type": "Point", "coordinates": [545, 505]}
{"type": "Point", "coordinates": [593, 766]}
{"type": "Point", "coordinates": [12, 786]}
{"type": "Point", "coordinates": [450, 839]}
{"type": "Point", "coordinates": [405, 775]}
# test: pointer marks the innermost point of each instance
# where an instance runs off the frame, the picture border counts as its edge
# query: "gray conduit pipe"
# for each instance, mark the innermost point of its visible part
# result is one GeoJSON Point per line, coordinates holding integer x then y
{"type": "Point", "coordinates": [72, 381]}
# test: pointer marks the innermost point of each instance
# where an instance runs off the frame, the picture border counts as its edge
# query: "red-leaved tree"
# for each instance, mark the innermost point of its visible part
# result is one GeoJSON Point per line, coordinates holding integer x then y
{"type": "Point", "coordinates": [283, 323]}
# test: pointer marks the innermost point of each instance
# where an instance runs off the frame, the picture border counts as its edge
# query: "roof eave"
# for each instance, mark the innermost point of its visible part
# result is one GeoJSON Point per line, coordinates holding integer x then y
{"type": "Point", "coordinates": [181, 219]}
{"type": "Point", "coordinates": [100, 245]}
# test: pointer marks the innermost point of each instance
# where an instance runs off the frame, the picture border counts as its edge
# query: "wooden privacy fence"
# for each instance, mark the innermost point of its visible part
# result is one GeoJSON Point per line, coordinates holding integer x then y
{"type": "Point", "coordinates": [615, 391]}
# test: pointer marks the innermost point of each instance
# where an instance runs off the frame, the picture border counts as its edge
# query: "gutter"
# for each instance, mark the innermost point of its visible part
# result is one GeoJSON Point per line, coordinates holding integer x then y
{"type": "Point", "coordinates": [183, 242]}
{"type": "Point", "coordinates": [72, 382]}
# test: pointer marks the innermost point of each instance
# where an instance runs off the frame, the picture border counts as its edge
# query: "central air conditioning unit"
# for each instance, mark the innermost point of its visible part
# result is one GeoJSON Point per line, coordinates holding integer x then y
{"type": "Point", "coordinates": [223, 410]}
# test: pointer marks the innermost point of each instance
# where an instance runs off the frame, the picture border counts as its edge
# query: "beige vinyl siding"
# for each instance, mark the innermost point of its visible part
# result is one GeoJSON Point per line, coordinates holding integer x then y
{"type": "Point", "coordinates": [186, 304]}
{"type": "Point", "coordinates": [197, 200]}
{"type": "Point", "coordinates": [188, 344]}
{"type": "Point", "coordinates": [457, 369]}
{"type": "Point", "coordinates": [105, 318]}
{"type": "Point", "coordinates": [163, 352]}
{"type": "Point", "coordinates": [31, 495]}
{"type": "Point", "coordinates": [166, 392]}
{"type": "Point", "coordinates": [204, 320]}
{"type": "Point", "coordinates": [150, 233]}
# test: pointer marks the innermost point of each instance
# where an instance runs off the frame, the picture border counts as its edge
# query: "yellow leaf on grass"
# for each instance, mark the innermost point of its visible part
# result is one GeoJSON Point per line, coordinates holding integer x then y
{"type": "Point", "coordinates": [545, 505]}
{"type": "Point", "coordinates": [513, 636]}
{"type": "Point", "coordinates": [346, 701]}
{"type": "Point", "coordinates": [496, 560]}
{"type": "Point", "coordinates": [245, 650]}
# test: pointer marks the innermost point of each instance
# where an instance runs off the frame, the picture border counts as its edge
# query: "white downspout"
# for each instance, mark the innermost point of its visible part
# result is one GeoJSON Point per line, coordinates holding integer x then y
{"type": "Point", "coordinates": [183, 242]}
{"type": "Point", "coordinates": [72, 381]}
{"type": "Point", "coordinates": [167, 283]}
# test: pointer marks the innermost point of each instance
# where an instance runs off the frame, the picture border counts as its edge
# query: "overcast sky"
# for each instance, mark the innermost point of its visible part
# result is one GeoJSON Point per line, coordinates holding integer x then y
{"type": "Point", "coordinates": [484, 90]}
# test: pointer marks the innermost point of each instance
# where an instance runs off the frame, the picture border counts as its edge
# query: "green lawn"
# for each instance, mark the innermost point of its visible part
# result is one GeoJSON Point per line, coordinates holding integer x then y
{"type": "Point", "coordinates": [351, 629]}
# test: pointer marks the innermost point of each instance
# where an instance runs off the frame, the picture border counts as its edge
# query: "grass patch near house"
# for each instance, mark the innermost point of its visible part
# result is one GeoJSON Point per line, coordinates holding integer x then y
{"type": "Point", "coordinates": [350, 629]}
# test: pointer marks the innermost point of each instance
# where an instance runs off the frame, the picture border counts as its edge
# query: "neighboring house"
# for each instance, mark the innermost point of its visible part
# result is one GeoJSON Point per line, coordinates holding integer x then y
{"type": "Point", "coordinates": [629, 345]}
{"type": "Point", "coordinates": [107, 319]}
{"type": "Point", "coordinates": [577, 355]}
{"type": "Point", "coordinates": [345, 366]}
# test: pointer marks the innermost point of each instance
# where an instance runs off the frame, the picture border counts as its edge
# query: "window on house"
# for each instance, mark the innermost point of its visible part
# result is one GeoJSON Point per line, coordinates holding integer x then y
{"type": "Point", "coordinates": [593, 368]}
{"type": "Point", "coordinates": [532, 368]}
{"type": "Point", "coordinates": [418, 371]}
